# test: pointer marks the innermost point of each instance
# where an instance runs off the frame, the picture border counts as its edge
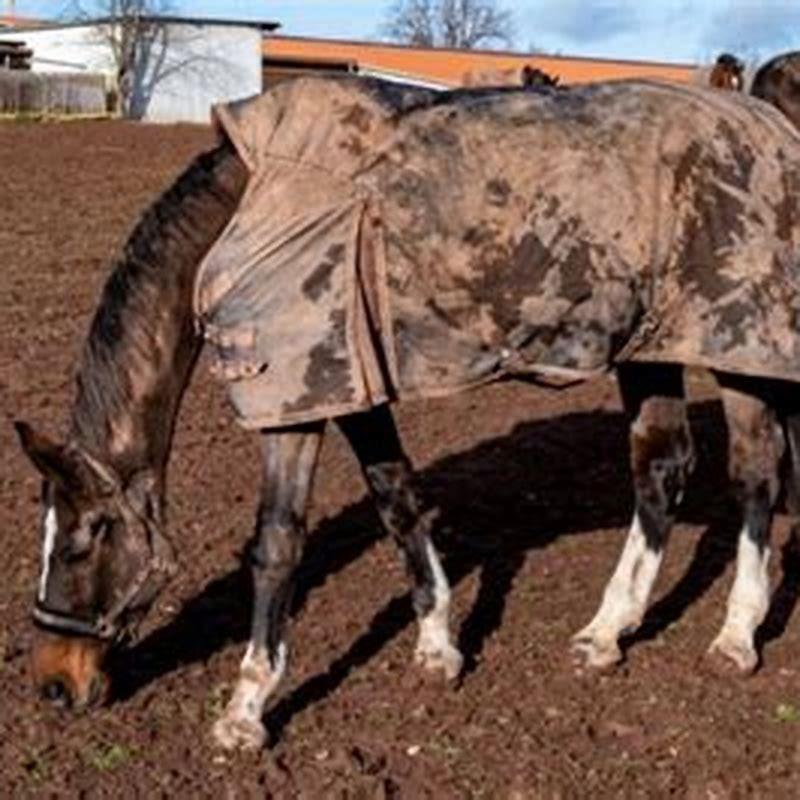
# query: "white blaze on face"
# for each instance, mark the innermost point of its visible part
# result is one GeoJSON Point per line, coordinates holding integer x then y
{"type": "Point", "coordinates": [50, 531]}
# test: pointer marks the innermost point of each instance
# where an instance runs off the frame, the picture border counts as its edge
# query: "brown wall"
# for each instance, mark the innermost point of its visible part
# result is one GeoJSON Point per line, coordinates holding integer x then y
{"type": "Point", "coordinates": [452, 67]}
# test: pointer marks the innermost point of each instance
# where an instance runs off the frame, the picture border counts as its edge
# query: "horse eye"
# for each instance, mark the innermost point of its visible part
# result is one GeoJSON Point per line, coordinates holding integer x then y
{"type": "Point", "coordinates": [79, 544]}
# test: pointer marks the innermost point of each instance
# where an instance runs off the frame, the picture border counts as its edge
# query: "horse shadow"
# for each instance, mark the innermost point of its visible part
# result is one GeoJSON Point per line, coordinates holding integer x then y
{"type": "Point", "coordinates": [545, 479]}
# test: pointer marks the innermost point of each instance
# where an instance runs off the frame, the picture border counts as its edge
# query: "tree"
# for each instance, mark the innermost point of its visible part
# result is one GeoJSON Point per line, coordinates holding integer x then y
{"type": "Point", "coordinates": [462, 24]}
{"type": "Point", "coordinates": [133, 32]}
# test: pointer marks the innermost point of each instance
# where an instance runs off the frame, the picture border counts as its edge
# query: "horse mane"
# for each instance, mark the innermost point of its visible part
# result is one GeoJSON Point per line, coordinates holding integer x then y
{"type": "Point", "coordinates": [144, 320]}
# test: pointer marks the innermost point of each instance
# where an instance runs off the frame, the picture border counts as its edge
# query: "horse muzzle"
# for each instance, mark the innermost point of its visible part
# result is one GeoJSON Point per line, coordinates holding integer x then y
{"type": "Point", "coordinates": [68, 671]}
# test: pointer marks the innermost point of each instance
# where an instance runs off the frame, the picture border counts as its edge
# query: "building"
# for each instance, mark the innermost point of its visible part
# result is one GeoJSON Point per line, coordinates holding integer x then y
{"type": "Point", "coordinates": [15, 21]}
{"type": "Point", "coordinates": [443, 68]}
{"type": "Point", "coordinates": [185, 64]}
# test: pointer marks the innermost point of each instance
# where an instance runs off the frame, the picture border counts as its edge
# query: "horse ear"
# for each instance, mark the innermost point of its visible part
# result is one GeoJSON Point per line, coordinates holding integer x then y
{"type": "Point", "coordinates": [46, 455]}
{"type": "Point", "coordinates": [142, 493]}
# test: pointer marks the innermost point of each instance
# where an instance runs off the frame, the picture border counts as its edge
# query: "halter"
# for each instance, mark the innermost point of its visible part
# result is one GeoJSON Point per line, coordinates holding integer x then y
{"type": "Point", "coordinates": [105, 625]}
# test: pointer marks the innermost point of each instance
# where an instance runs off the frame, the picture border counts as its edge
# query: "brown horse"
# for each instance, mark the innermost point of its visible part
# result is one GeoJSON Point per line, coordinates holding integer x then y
{"type": "Point", "coordinates": [526, 76]}
{"type": "Point", "coordinates": [728, 73]}
{"type": "Point", "coordinates": [573, 291]}
{"type": "Point", "coordinates": [778, 82]}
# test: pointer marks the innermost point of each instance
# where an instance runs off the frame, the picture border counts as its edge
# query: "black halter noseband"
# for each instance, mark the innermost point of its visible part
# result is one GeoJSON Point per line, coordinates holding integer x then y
{"type": "Point", "coordinates": [106, 625]}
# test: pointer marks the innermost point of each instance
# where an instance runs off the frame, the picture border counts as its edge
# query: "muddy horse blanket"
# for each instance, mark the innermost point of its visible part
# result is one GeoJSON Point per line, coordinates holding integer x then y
{"type": "Point", "coordinates": [396, 242]}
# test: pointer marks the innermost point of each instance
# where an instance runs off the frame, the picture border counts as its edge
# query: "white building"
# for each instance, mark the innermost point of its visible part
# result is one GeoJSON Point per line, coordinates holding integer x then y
{"type": "Point", "coordinates": [184, 66]}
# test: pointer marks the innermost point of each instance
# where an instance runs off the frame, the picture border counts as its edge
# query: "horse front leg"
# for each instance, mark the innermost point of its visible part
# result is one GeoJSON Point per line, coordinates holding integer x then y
{"type": "Point", "coordinates": [662, 456]}
{"type": "Point", "coordinates": [755, 449]}
{"type": "Point", "coordinates": [375, 441]}
{"type": "Point", "coordinates": [289, 462]}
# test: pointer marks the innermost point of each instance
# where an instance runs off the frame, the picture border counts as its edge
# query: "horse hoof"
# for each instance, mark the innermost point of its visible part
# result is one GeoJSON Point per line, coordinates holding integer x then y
{"type": "Point", "coordinates": [447, 661]}
{"type": "Point", "coordinates": [725, 653]}
{"type": "Point", "coordinates": [599, 656]}
{"type": "Point", "coordinates": [235, 733]}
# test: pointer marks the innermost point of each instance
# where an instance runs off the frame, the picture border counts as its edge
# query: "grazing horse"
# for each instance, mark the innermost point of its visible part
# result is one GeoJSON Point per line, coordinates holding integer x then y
{"type": "Point", "coordinates": [728, 73]}
{"type": "Point", "coordinates": [526, 76]}
{"type": "Point", "coordinates": [778, 82]}
{"type": "Point", "coordinates": [350, 243]}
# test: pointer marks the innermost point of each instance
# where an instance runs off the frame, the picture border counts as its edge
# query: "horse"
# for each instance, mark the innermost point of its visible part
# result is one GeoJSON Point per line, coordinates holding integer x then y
{"type": "Point", "coordinates": [527, 76]}
{"type": "Point", "coordinates": [778, 82]}
{"type": "Point", "coordinates": [350, 243]}
{"type": "Point", "coordinates": [727, 74]}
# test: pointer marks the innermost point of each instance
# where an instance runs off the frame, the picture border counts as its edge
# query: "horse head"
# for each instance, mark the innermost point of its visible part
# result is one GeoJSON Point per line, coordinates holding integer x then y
{"type": "Point", "coordinates": [104, 558]}
{"type": "Point", "coordinates": [778, 82]}
{"type": "Point", "coordinates": [728, 73]}
{"type": "Point", "coordinates": [533, 76]}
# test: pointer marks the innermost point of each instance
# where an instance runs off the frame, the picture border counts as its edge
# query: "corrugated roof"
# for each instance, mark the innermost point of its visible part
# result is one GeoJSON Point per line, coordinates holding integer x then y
{"type": "Point", "coordinates": [262, 25]}
{"type": "Point", "coordinates": [452, 67]}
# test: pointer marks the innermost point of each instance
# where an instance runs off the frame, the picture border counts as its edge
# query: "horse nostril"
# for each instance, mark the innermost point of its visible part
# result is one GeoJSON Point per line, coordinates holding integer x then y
{"type": "Point", "coordinates": [55, 691]}
{"type": "Point", "coordinates": [97, 691]}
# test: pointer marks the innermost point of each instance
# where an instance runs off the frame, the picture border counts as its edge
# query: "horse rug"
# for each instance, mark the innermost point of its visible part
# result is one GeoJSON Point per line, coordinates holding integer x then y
{"type": "Point", "coordinates": [394, 242]}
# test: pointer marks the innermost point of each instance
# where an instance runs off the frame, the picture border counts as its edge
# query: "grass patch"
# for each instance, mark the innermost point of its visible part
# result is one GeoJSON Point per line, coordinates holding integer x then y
{"type": "Point", "coordinates": [786, 712]}
{"type": "Point", "coordinates": [108, 757]}
{"type": "Point", "coordinates": [35, 765]}
{"type": "Point", "coordinates": [215, 701]}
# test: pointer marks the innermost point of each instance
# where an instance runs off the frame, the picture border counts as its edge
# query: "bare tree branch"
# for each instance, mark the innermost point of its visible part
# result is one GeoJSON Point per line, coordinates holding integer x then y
{"type": "Point", "coordinates": [131, 30]}
{"type": "Point", "coordinates": [463, 24]}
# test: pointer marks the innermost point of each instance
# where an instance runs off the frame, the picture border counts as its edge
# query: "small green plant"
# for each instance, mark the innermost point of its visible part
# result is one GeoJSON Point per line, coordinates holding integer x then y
{"type": "Point", "coordinates": [35, 764]}
{"type": "Point", "coordinates": [215, 701]}
{"type": "Point", "coordinates": [109, 756]}
{"type": "Point", "coordinates": [786, 712]}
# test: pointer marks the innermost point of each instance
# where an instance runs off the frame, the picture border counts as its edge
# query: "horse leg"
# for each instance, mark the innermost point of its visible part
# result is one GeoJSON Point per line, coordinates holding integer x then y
{"type": "Point", "coordinates": [755, 448]}
{"type": "Point", "coordinates": [289, 461]}
{"type": "Point", "coordinates": [662, 456]}
{"type": "Point", "coordinates": [375, 441]}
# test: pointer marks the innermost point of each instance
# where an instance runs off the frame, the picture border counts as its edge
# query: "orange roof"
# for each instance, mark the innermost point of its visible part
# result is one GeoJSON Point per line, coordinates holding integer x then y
{"type": "Point", "coordinates": [452, 67]}
{"type": "Point", "coordinates": [14, 21]}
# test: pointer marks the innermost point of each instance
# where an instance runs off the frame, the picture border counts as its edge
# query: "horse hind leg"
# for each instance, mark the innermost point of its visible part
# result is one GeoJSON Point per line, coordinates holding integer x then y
{"type": "Point", "coordinates": [662, 456]}
{"type": "Point", "coordinates": [289, 462]}
{"type": "Point", "coordinates": [374, 439]}
{"type": "Point", "coordinates": [754, 454]}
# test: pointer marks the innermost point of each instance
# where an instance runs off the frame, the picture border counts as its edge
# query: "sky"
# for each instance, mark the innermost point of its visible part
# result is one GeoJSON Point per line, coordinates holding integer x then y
{"type": "Point", "coordinates": [655, 30]}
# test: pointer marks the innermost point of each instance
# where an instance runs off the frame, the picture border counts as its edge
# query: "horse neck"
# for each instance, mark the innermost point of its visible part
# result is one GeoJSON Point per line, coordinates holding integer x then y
{"type": "Point", "coordinates": [142, 344]}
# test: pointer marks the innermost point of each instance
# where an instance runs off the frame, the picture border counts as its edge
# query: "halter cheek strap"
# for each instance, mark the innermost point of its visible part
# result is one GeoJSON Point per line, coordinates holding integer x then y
{"type": "Point", "coordinates": [161, 562]}
{"type": "Point", "coordinates": [105, 625]}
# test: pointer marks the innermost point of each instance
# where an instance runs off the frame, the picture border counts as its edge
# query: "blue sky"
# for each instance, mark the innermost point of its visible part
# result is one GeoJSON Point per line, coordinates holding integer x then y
{"type": "Point", "coordinates": [668, 30]}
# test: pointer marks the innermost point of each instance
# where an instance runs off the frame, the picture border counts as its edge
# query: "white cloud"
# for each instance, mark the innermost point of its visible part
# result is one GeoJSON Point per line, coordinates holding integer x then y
{"type": "Point", "coordinates": [581, 22]}
{"type": "Point", "coordinates": [750, 27]}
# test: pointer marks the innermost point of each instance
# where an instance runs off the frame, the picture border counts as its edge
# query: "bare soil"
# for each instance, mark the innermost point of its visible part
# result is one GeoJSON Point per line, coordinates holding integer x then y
{"type": "Point", "coordinates": [535, 497]}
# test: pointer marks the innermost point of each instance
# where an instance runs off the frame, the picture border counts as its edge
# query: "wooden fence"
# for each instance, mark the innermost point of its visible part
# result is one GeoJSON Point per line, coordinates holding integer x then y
{"type": "Point", "coordinates": [62, 94]}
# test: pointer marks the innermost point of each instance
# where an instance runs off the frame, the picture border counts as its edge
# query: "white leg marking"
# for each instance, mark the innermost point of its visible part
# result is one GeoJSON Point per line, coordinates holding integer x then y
{"type": "Point", "coordinates": [435, 650]}
{"type": "Point", "coordinates": [747, 605]}
{"type": "Point", "coordinates": [50, 531]}
{"type": "Point", "coordinates": [624, 600]}
{"type": "Point", "coordinates": [240, 725]}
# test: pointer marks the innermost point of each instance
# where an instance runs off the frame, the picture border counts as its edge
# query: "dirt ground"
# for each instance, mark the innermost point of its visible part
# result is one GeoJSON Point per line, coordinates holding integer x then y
{"type": "Point", "coordinates": [535, 496]}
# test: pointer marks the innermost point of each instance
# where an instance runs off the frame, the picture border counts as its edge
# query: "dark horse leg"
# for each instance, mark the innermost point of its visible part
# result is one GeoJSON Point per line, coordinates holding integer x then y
{"type": "Point", "coordinates": [662, 456]}
{"type": "Point", "coordinates": [374, 439]}
{"type": "Point", "coordinates": [756, 445]}
{"type": "Point", "coordinates": [290, 458]}
{"type": "Point", "coordinates": [289, 462]}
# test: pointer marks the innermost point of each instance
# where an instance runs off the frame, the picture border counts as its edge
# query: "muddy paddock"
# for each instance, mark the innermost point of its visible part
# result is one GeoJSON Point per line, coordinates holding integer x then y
{"type": "Point", "coordinates": [535, 497]}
